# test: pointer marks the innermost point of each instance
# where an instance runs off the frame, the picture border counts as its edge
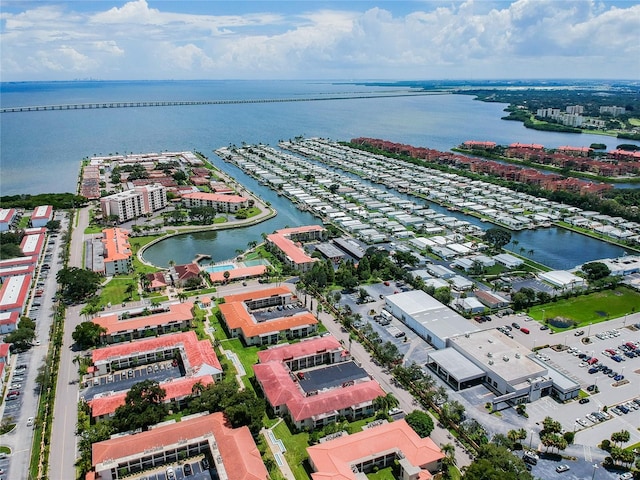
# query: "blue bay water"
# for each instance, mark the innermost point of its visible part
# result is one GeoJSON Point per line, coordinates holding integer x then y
{"type": "Point", "coordinates": [42, 151]}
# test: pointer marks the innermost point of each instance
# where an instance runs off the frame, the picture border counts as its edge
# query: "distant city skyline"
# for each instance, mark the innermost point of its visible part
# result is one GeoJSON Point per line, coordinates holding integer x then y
{"type": "Point", "coordinates": [322, 40]}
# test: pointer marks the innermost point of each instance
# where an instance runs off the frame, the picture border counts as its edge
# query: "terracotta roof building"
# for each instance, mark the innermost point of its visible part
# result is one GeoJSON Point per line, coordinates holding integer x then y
{"type": "Point", "coordinates": [285, 244]}
{"type": "Point", "coordinates": [347, 457]}
{"type": "Point", "coordinates": [119, 328]}
{"type": "Point", "coordinates": [177, 392]}
{"type": "Point", "coordinates": [224, 203]}
{"type": "Point", "coordinates": [232, 451]}
{"type": "Point", "coordinates": [179, 274]}
{"type": "Point", "coordinates": [116, 251]}
{"type": "Point", "coordinates": [315, 383]}
{"type": "Point", "coordinates": [197, 356]}
{"type": "Point", "coordinates": [245, 317]}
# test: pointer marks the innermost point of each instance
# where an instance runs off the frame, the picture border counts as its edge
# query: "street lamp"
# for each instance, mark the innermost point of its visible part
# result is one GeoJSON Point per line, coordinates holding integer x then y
{"type": "Point", "coordinates": [531, 440]}
{"type": "Point", "coordinates": [595, 467]}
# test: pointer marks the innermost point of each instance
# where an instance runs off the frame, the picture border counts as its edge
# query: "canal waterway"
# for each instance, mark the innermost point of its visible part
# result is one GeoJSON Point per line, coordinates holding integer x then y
{"type": "Point", "coordinates": [556, 247]}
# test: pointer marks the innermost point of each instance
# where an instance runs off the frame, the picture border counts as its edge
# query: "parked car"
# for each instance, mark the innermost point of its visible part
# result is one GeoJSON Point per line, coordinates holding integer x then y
{"type": "Point", "coordinates": [583, 400]}
{"type": "Point", "coordinates": [562, 468]}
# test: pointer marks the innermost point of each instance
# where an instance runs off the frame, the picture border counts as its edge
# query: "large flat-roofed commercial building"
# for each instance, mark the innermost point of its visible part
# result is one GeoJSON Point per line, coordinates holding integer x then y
{"type": "Point", "coordinates": [232, 452]}
{"type": "Point", "coordinates": [429, 318]}
{"type": "Point", "coordinates": [505, 366]}
{"type": "Point", "coordinates": [351, 457]}
{"type": "Point", "coordinates": [134, 203]}
{"type": "Point", "coordinates": [41, 216]}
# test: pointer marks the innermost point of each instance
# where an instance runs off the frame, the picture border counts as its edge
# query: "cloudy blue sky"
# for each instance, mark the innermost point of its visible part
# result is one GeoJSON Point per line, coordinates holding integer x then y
{"type": "Point", "coordinates": [303, 39]}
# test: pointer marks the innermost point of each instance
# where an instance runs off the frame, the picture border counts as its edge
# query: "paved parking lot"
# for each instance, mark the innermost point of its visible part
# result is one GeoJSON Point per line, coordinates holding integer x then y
{"type": "Point", "coordinates": [197, 472]}
{"type": "Point", "coordinates": [121, 381]}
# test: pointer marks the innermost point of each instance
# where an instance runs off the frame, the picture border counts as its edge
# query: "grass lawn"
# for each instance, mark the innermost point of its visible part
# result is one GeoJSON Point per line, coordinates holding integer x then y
{"type": "Point", "coordinates": [296, 446]}
{"type": "Point", "coordinates": [382, 474]}
{"type": "Point", "coordinates": [91, 229]}
{"type": "Point", "coordinates": [136, 244]}
{"type": "Point", "coordinates": [115, 291]}
{"type": "Point", "coordinates": [592, 308]}
{"type": "Point", "coordinates": [248, 356]}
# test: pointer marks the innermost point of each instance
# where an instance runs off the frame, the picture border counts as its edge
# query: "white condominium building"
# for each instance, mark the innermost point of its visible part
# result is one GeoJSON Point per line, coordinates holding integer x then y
{"type": "Point", "coordinates": [134, 203]}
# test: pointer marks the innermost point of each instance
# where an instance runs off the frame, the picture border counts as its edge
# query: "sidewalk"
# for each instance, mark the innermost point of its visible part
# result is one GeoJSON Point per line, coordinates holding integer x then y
{"type": "Point", "coordinates": [277, 448]}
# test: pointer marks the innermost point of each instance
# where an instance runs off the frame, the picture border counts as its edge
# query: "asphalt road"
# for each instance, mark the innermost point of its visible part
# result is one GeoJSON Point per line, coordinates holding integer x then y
{"type": "Point", "coordinates": [65, 415]}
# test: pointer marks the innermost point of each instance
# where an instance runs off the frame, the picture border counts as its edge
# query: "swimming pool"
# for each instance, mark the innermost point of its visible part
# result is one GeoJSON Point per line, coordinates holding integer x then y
{"type": "Point", "coordinates": [219, 268]}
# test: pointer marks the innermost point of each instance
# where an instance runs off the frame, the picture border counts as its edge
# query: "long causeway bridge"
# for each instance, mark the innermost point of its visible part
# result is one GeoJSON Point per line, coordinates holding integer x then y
{"type": "Point", "coordinates": [88, 106]}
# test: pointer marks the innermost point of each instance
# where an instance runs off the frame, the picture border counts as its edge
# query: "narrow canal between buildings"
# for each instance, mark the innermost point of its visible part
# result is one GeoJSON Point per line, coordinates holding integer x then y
{"type": "Point", "coordinates": [555, 247]}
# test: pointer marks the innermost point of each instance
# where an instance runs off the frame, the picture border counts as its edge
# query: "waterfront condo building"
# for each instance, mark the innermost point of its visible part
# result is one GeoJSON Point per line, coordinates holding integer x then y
{"type": "Point", "coordinates": [116, 251]}
{"type": "Point", "coordinates": [221, 202]}
{"type": "Point", "coordinates": [134, 203]}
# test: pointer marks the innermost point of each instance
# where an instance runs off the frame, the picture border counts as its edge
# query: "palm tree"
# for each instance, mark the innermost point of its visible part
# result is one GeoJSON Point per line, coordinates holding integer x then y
{"type": "Point", "coordinates": [197, 388]}
{"type": "Point", "coordinates": [531, 252]}
{"type": "Point", "coordinates": [182, 296]}
{"type": "Point", "coordinates": [226, 275]}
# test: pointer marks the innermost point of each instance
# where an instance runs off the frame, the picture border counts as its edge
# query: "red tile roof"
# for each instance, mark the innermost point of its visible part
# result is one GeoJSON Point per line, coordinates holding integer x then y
{"type": "Point", "coordinates": [301, 229]}
{"type": "Point", "coordinates": [215, 197]}
{"type": "Point", "coordinates": [333, 459]}
{"type": "Point", "coordinates": [174, 389]}
{"type": "Point", "coordinates": [238, 450]}
{"type": "Point", "coordinates": [258, 294]}
{"type": "Point", "coordinates": [290, 249]}
{"type": "Point", "coordinates": [240, 272]}
{"type": "Point", "coordinates": [199, 352]}
{"type": "Point", "coordinates": [187, 271]}
{"type": "Point", "coordinates": [280, 389]}
{"type": "Point", "coordinates": [178, 312]}
{"type": "Point", "coordinates": [116, 244]}
{"type": "Point", "coordinates": [300, 349]}
{"type": "Point", "coordinates": [236, 316]}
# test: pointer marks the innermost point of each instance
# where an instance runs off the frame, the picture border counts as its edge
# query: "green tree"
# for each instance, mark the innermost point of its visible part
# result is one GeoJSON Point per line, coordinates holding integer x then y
{"type": "Point", "coordinates": [497, 237]}
{"type": "Point", "coordinates": [595, 270]}
{"type": "Point", "coordinates": [421, 422]}
{"type": "Point", "coordinates": [143, 406]}
{"type": "Point", "coordinates": [78, 283]}
{"type": "Point", "coordinates": [443, 295]}
{"type": "Point", "coordinates": [495, 462]}
{"type": "Point", "coordinates": [87, 334]}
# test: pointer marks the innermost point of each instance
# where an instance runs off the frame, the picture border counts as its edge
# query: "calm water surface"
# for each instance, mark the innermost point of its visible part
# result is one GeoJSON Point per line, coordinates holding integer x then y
{"type": "Point", "coordinates": [42, 151]}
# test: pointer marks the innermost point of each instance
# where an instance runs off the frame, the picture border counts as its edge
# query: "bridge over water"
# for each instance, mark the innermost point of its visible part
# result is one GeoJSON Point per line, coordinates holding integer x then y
{"type": "Point", "coordinates": [86, 106]}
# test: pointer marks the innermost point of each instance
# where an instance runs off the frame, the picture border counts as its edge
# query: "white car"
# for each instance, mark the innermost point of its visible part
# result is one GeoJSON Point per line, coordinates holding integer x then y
{"type": "Point", "coordinates": [626, 476]}
{"type": "Point", "coordinates": [30, 422]}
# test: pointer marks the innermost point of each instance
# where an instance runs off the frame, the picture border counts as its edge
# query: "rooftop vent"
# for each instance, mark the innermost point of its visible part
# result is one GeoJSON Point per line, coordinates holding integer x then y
{"type": "Point", "coordinates": [517, 355]}
{"type": "Point", "coordinates": [490, 362]}
{"type": "Point", "coordinates": [489, 354]}
{"type": "Point", "coordinates": [505, 358]}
